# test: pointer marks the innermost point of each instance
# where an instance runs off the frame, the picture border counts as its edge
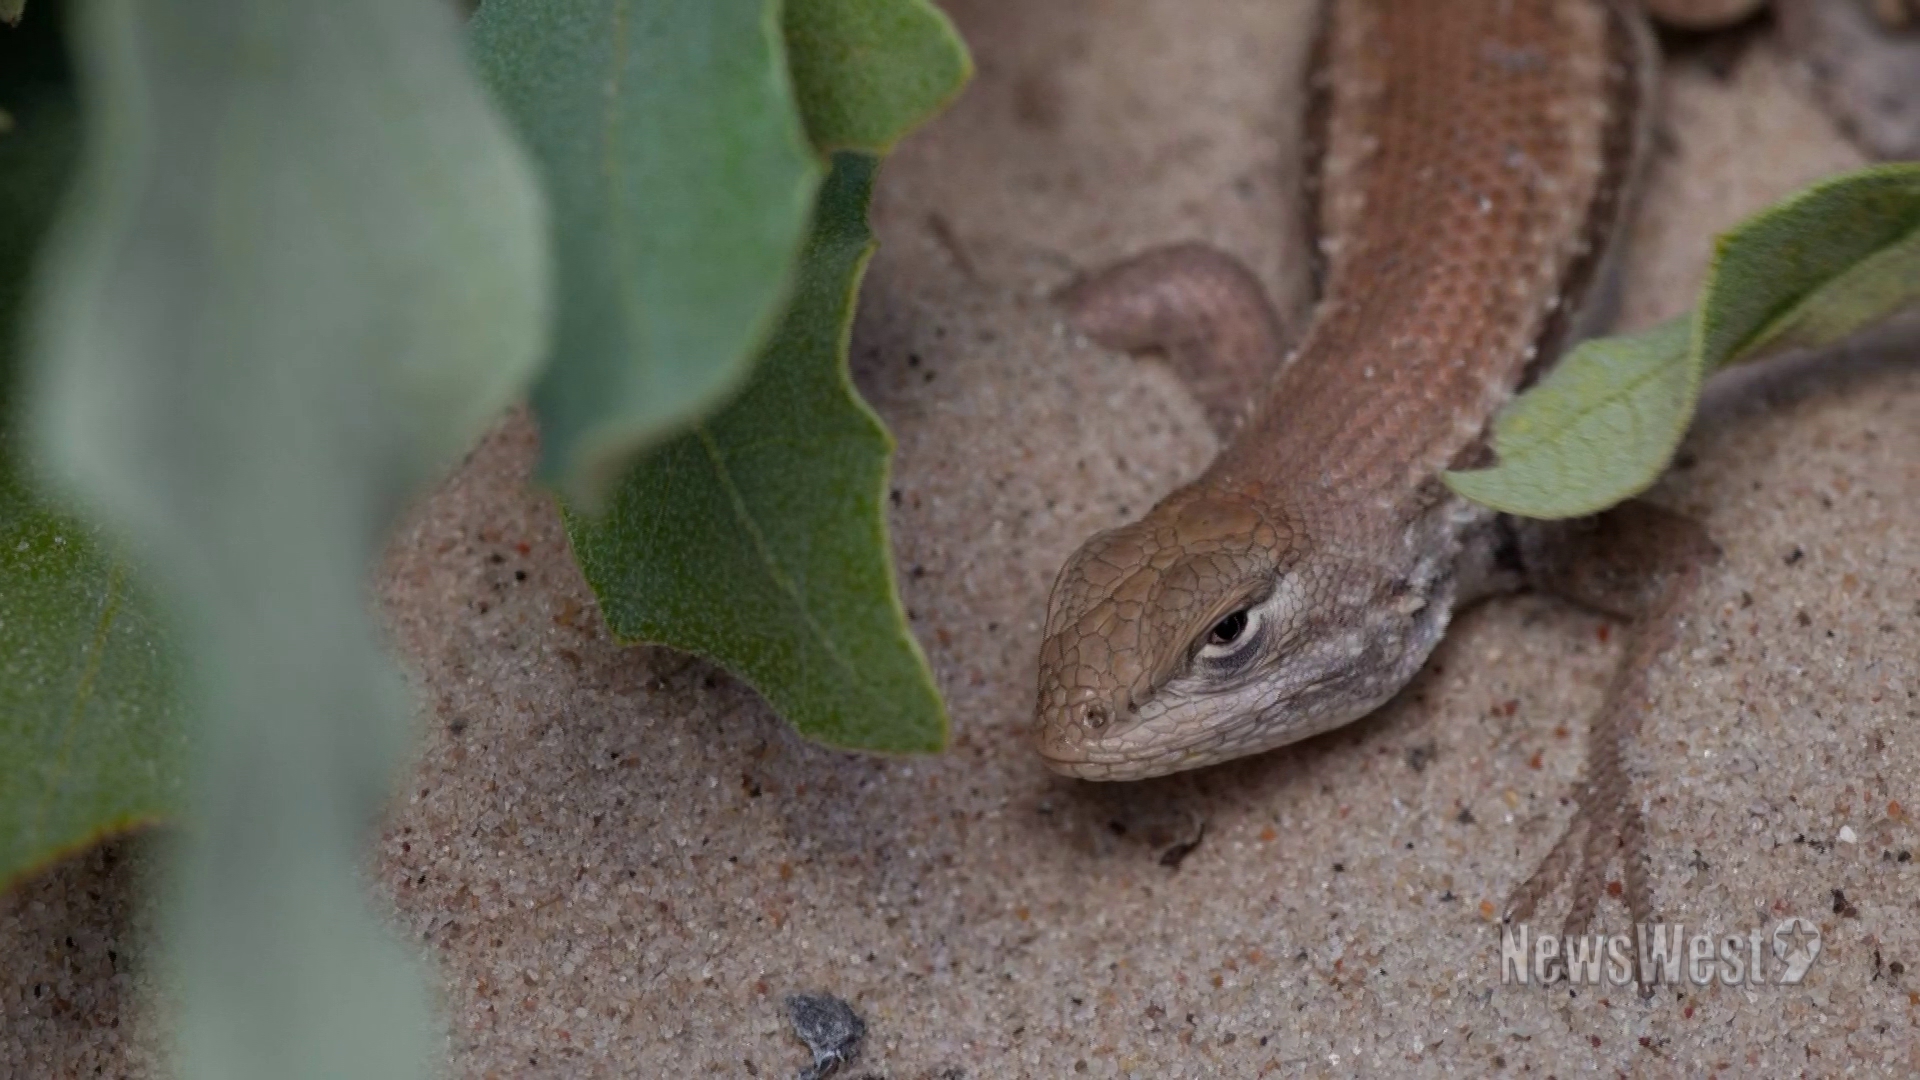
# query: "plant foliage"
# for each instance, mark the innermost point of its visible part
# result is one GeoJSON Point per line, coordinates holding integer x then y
{"type": "Point", "coordinates": [1806, 272]}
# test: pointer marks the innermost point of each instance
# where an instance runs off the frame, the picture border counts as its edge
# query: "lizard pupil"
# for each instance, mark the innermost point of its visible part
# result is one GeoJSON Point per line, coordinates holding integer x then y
{"type": "Point", "coordinates": [1228, 630]}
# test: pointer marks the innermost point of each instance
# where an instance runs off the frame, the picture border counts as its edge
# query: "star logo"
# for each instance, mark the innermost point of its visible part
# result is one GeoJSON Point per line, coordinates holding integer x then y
{"type": "Point", "coordinates": [1796, 941]}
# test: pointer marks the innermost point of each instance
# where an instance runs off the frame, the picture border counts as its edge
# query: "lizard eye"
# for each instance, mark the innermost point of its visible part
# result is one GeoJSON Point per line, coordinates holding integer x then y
{"type": "Point", "coordinates": [1243, 635]}
{"type": "Point", "coordinates": [1232, 637]}
{"type": "Point", "coordinates": [1228, 630]}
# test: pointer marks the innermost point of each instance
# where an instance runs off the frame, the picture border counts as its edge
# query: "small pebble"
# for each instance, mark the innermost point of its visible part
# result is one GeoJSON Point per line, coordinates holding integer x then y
{"type": "Point", "coordinates": [830, 1028]}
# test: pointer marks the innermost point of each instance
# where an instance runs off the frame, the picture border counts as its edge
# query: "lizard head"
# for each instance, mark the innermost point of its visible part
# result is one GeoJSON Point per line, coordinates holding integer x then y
{"type": "Point", "coordinates": [1211, 629]}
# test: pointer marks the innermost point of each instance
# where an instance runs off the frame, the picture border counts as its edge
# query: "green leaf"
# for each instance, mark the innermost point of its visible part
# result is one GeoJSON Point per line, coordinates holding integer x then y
{"type": "Point", "coordinates": [91, 737]}
{"type": "Point", "coordinates": [1827, 260]}
{"type": "Point", "coordinates": [1806, 272]}
{"type": "Point", "coordinates": [1879, 285]}
{"type": "Point", "coordinates": [1596, 423]}
{"type": "Point", "coordinates": [91, 740]}
{"type": "Point", "coordinates": [869, 71]}
{"type": "Point", "coordinates": [681, 181]}
{"type": "Point", "coordinates": [302, 265]}
{"type": "Point", "coordinates": [759, 538]}
{"type": "Point", "coordinates": [11, 10]}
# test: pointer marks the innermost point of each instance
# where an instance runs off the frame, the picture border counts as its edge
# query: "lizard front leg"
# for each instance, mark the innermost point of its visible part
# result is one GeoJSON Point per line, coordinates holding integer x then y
{"type": "Point", "coordinates": [1641, 564]}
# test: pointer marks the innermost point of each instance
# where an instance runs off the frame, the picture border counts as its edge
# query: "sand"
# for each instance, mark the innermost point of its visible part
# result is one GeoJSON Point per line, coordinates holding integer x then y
{"type": "Point", "coordinates": [620, 863]}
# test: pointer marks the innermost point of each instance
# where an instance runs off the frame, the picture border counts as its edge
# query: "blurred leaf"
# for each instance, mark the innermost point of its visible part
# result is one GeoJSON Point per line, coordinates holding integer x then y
{"type": "Point", "coordinates": [34, 67]}
{"type": "Point", "coordinates": [869, 71]}
{"type": "Point", "coordinates": [1806, 272]}
{"type": "Point", "coordinates": [759, 539]}
{"type": "Point", "coordinates": [90, 734]}
{"type": "Point", "coordinates": [301, 268]}
{"type": "Point", "coordinates": [11, 10]}
{"type": "Point", "coordinates": [681, 181]}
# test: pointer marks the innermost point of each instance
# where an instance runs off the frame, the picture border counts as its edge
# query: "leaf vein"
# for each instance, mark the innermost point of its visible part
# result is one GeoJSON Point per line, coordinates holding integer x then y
{"type": "Point", "coordinates": [765, 551]}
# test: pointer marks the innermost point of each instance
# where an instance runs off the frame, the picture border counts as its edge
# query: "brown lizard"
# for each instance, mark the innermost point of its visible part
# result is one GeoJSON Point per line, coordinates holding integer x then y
{"type": "Point", "coordinates": [1476, 163]}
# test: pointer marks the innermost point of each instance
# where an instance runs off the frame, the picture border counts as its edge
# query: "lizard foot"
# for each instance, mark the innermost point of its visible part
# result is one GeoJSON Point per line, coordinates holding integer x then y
{"type": "Point", "coordinates": [1606, 821]}
{"type": "Point", "coordinates": [1640, 563]}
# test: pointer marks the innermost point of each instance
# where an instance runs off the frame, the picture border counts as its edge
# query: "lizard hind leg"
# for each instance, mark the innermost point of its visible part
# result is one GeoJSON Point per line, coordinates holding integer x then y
{"type": "Point", "coordinates": [1199, 306]}
{"type": "Point", "coordinates": [1641, 564]}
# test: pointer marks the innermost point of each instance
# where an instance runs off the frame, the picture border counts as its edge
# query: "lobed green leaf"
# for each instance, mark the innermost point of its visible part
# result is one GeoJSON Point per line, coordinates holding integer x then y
{"type": "Point", "coordinates": [300, 268]}
{"type": "Point", "coordinates": [1807, 272]}
{"type": "Point", "coordinates": [868, 71]}
{"type": "Point", "coordinates": [759, 539]}
{"type": "Point", "coordinates": [680, 180]}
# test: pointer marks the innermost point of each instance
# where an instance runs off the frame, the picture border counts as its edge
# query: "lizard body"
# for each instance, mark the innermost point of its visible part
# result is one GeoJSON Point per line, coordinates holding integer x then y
{"type": "Point", "coordinates": [1478, 159]}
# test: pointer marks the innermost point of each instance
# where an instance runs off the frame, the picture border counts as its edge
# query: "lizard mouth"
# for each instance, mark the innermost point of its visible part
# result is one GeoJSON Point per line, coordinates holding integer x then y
{"type": "Point", "coordinates": [1128, 760]}
{"type": "Point", "coordinates": [1164, 744]}
{"type": "Point", "coordinates": [1115, 769]}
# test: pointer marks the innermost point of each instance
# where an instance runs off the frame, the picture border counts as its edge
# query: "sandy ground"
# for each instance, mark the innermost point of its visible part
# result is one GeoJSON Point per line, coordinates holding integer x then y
{"type": "Point", "coordinates": [620, 862]}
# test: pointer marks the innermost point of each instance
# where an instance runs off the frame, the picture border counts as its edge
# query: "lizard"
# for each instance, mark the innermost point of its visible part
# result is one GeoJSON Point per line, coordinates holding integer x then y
{"type": "Point", "coordinates": [1476, 164]}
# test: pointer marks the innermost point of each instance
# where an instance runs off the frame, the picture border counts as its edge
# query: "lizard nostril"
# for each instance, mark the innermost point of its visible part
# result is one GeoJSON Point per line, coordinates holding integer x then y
{"type": "Point", "coordinates": [1096, 716]}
